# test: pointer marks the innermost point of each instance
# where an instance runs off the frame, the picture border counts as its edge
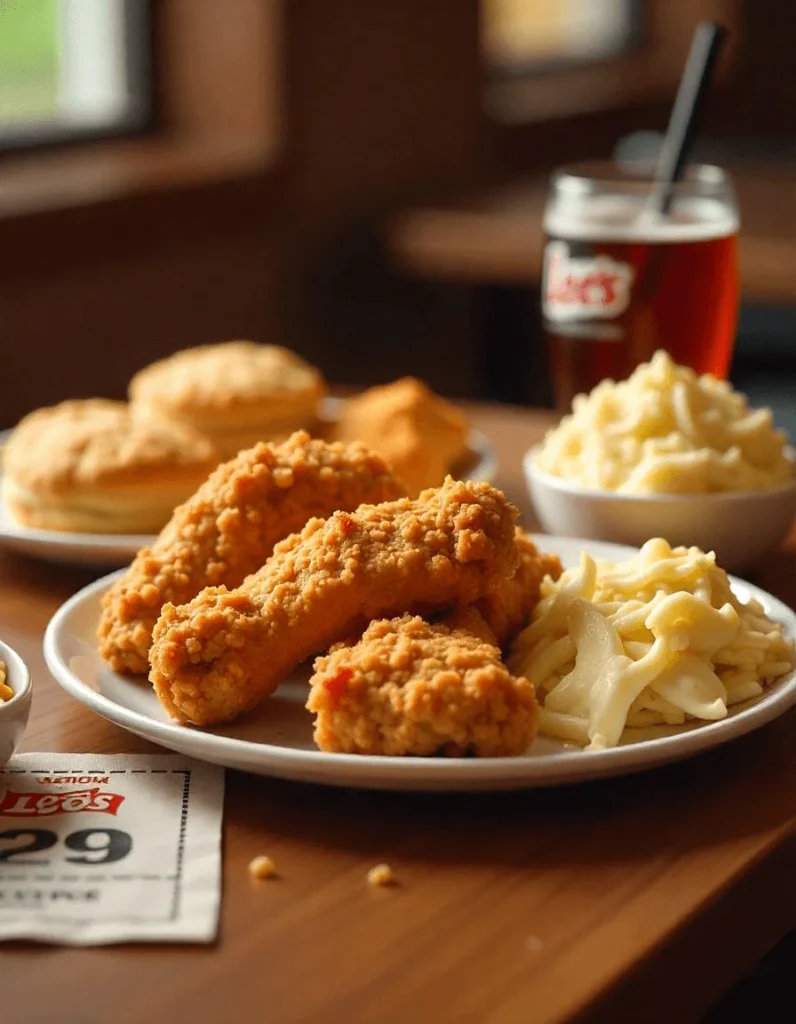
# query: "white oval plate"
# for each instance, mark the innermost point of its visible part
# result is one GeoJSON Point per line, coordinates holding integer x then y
{"type": "Point", "coordinates": [107, 550]}
{"type": "Point", "coordinates": [277, 738]}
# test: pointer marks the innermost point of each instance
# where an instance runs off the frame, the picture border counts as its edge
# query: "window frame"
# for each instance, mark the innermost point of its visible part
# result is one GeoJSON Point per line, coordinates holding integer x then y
{"type": "Point", "coordinates": [501, 72]}
{"type": "Point", "coordinates": [189, 143]}
{"type": "Point", "coordinates": [139, 27]}
{"type": "Point", "coordinates": [647, 73]}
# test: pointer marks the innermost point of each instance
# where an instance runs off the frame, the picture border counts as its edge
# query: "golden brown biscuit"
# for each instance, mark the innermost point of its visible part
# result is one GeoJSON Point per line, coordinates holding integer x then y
{"type": "Point", "coordinates": [420, 434]}
{"type": "Point", "coordinates": [237, 392]}
{"type": "Point", "coordinates": [91, 466]}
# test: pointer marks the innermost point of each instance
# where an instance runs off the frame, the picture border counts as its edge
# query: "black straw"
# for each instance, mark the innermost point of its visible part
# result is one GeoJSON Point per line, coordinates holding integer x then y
{"type": "Point", "coordinates": [688, 104]}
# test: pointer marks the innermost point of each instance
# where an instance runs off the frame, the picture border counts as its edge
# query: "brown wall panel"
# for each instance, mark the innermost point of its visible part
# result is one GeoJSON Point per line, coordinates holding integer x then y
{"type": "Point", "coordinates": [84, 330]}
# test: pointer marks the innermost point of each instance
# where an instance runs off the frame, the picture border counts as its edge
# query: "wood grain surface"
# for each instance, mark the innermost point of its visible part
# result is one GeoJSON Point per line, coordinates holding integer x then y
{"type": "Point", "coordinates": [628, 900]}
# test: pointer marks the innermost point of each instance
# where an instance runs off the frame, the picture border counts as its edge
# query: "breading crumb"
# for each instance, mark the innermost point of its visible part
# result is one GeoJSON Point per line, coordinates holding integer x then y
{"type": "Point", "coordinates": [262, 867]}
{"type": "Point", "coordinates": [381, 875]}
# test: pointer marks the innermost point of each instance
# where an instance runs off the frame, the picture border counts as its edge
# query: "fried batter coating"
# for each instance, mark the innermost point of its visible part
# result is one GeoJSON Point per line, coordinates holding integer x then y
{"type": "Point", "coordinates": [467, 618]}
{"type": "Point", "coordinates": [229, 528]}
{"type": "Point", "coordinates": [508, 610]}
{"type": "Point", "coordinates": [410, 688]}
{"type": "Point", "coordinates": [227, 650]}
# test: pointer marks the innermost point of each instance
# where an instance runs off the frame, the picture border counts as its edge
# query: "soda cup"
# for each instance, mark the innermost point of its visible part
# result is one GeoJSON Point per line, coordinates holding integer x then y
{"type": "Point", "coordinates": [622, 278]}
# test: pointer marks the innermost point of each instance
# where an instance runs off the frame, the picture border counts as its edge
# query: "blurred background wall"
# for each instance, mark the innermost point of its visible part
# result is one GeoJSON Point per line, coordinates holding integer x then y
{"type": "Point", "coordinates": [361, 181]}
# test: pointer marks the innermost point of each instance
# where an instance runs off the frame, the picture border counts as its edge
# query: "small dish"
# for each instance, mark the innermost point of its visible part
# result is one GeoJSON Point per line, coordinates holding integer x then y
{"type": "Point", "coordinates": [739, 526]}
{"type": "Point", "coordinates": [14, 712]}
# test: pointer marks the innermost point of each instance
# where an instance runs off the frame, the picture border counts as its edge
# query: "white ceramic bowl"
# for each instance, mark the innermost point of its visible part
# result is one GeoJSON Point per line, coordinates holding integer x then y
{"type": "Point", "coordinates": [740, 527]}
{"type": "Point", "coordinates": [14, 712]}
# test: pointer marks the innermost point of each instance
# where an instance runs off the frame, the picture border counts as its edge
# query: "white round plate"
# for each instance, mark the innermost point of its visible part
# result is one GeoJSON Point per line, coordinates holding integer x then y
{"type": "Point", "coordinates": [277, 738]}
{"type": "Point", "coordinates": [113, 549]}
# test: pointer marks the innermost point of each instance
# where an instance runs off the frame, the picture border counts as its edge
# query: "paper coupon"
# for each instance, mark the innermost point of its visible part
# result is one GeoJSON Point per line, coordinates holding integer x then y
{"type": "Point", "coordinates": [98, 848]}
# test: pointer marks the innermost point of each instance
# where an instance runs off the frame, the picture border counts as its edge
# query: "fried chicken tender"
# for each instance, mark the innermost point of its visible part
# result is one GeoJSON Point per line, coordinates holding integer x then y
{"type": "Point", "coordinates": [224, 652]}
{"type": "Point", "coordinates": [508, 610]}
{"type": "Point", "coordinates": [229, 528]}
{"type": "Point", "coordinates": [410, 688]}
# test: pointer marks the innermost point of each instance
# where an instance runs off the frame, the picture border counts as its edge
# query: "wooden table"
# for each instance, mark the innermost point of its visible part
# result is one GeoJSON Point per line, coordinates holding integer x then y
{"type": "Point", "coordinates": [495, 237]}
{"type": "Point", "coordinates": [627, 900]}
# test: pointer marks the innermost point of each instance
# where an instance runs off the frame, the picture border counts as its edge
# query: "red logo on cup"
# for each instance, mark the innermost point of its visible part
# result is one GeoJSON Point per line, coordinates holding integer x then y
{"type": "Point", "coordinates": [40, 805]}
{"type": "Point", "coordinates": [584, 288]}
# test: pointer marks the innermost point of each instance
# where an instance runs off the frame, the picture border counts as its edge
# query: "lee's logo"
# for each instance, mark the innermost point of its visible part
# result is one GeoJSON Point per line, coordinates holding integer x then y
{"type": "Point", "coordinates": [589, 287]}
{"type": "Point", "coordinates": [41, 805]}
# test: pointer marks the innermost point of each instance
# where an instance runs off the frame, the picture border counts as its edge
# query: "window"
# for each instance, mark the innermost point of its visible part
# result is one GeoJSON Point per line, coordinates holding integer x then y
{"type": "Point", "coordinates": [72, 68]}
{"type": "Point", "coordinates": [531, 35]}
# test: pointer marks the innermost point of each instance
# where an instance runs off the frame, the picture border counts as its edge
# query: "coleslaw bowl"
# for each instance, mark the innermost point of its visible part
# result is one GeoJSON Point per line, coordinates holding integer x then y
{"type": "Point", "coordinates": [740, 526]}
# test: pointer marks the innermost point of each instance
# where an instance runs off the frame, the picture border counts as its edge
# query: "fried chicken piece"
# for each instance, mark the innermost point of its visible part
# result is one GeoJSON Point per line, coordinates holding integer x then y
{"type": "Point", "coordinates": [229, 528]}
{"type": "Point", "coordinates": [227, 650]}
{"type": "Point", "coordinates": [411, 688]}
{"type": "Point", "coordinates": [508, 610]}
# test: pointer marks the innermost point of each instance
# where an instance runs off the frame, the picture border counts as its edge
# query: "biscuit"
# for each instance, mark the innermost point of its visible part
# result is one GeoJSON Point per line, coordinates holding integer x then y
{"type": "Point", "coordinates": [91, 466]}
{"type": "Point", "coordinates": [420, 434]}
{"type": "Point", "coordinates": [237, 392]}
